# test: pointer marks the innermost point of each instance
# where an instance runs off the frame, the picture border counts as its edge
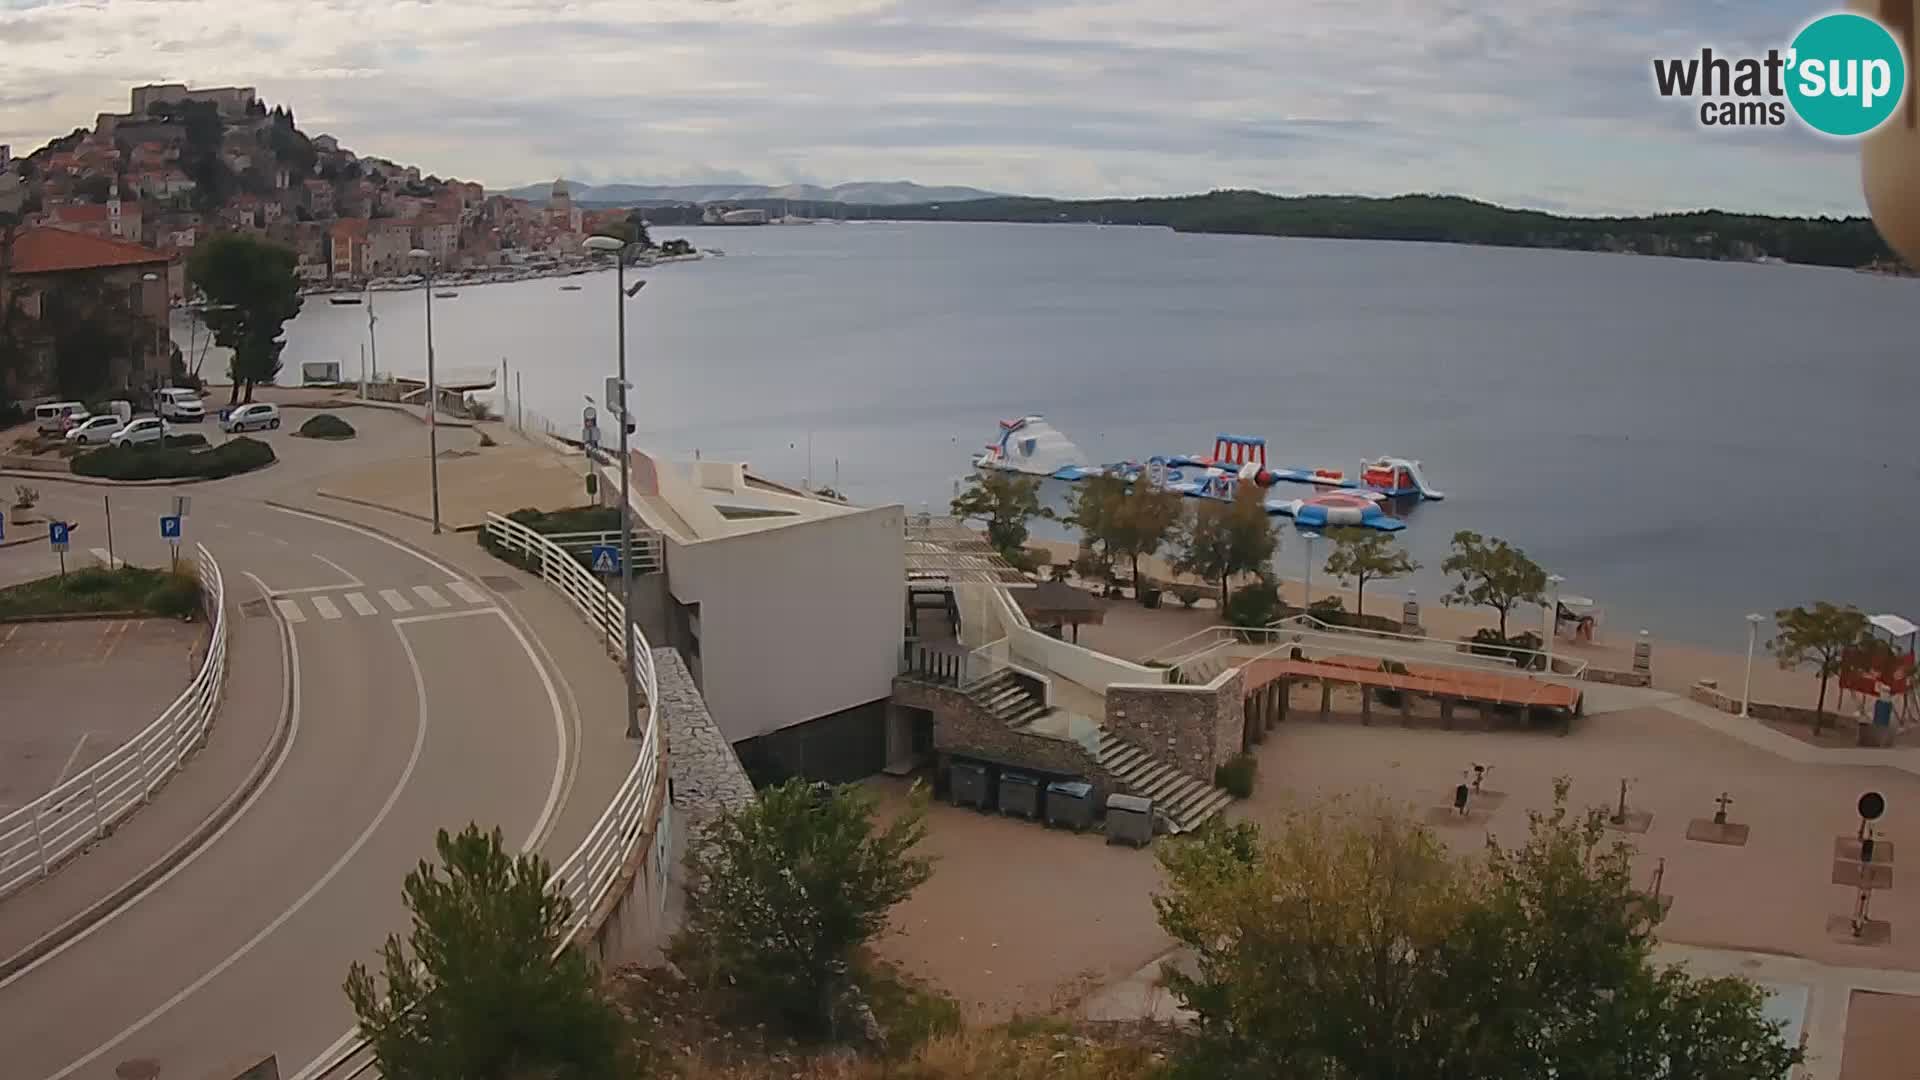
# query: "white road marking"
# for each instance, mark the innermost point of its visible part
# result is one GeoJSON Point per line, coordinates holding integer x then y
{"type": "Point", "coordinates": [393, 797]}
{"type": "Point", "coordinates": [111, 562]}
{"type": "Point", "coordinates": [344, 572]}
{"type": "Point", "coordinates": [290, 611]}
{"type": "Point", "coordinates": [467, 592]}
{"type": "Point", "coordinates": [221, 525]}
{"type": "Point", "coordinates": [325, 607]}
{"type": "Point", "coordinates": [360, 604]}
{"type": "Point", "coordinates": [395, 600]}
{"type": "Point", "coordinates": [290, 661]}
{"type": "Point", "coordinates": [431, 596]}
{"type": "Point", "coordinates": [370, 534]}
{"type": "Point", "coordinates": [78, 746]}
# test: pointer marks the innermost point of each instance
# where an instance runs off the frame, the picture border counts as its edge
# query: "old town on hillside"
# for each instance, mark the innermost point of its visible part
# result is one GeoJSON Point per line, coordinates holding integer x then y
{"type": "Point", "coordinates": [125, 203]}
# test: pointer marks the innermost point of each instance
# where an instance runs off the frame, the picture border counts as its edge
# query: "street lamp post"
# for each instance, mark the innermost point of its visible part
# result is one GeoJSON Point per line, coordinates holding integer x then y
{"type": "Point", "coordinates": [1553, 616]}
{"type": "Point", "coordinates": [617, 248]}
{"type": "Point", "coordinates": [1306, 594]}
{"type": "Point", "coordinates": [433, 391]}
{"type": "Point", "coordinates": [160, 333]}
{"type": "Point", "coordinates": [1746, 689]}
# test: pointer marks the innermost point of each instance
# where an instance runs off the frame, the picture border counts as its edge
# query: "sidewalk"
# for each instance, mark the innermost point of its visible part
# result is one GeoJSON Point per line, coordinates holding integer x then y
{"type": "Point", "coordinates": [500, 479]}
{"type": "Point", "coordinates": [239, 748]}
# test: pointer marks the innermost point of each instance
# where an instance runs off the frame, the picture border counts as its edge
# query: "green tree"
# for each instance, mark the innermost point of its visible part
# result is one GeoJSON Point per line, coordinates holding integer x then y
{"type": "Point", "coordinates": [485, 986]}
{"type": "Point", "coordinates": [1127, 521]}
{"type": "Point", "coordinates": [1827, 636]}
{"type": "Point", "coordinates": [1363, 555]}
{"type": "Point", "coordinates": [251, 292]}
{"type": "Point", "coordinates": [1093, 508]}
{"type": "Point", "coordinates": [1004, 502]}
{"type": "Point", "coordinates": [1352, 946]}
{"type": "Point", "coordinates": [95, 189]}
{"type": "Point", "coordinates": [1223, 539]}
{"type": "Point", "coordinates": [785, 890]}
{"type": "Point", "coordinates": [1492, 574]}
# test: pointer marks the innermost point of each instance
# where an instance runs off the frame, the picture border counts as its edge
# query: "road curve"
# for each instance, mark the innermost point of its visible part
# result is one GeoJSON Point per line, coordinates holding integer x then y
{"type": "Point", "coordinates": [418, 701]}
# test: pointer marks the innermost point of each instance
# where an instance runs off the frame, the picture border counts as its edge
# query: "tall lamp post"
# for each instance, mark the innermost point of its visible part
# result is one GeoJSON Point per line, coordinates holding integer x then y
{"type": "Point", "coordinates": [1553, 616]}
{"type": "Point", "coordinates": [425, 257]}
{"type": "Point", "coordinates": [1306, 594]}
{"type": "Point", "coordinates": [1746, 689]}
{"type": "Point", "coordinates": [612, 245]}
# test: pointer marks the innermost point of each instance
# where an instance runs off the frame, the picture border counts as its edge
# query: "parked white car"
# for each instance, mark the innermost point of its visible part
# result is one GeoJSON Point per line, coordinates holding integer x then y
{"type": "Point", "coordinates": [179, 404]}
{"type": "Point", "coordinates": [147, 430]}
{"type": "Point", "coordinates": [94, 430]}
{"type": "Point", "coordinates": [255, 417]}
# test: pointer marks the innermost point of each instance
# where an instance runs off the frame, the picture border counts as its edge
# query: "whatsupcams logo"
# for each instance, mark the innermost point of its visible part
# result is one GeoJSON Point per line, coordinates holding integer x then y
{"type": "Point", "coordinates": [1844, 75]}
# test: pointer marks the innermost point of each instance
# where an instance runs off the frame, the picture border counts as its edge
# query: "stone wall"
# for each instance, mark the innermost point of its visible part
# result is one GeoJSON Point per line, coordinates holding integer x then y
{"type": "Point", "coordinates": [1193, 728]}
{"type": "Point", "coordinates": [961, 727]}
{"type": "Point", "coordinates": [1620, 678]}
{"type": "Point", "coordinates": [1707, 692]}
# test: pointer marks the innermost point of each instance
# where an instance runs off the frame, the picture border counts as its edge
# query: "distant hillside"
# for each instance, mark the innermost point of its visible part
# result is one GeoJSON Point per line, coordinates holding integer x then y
{"type": "Point", "coordinates": [1703, 234]}
{"type": "Point", "coordinates": [865, 193]}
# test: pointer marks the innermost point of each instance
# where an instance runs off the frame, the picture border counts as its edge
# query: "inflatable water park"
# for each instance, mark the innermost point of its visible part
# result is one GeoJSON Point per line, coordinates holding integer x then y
{"type": "Point", "coordinates": [1034, 447]}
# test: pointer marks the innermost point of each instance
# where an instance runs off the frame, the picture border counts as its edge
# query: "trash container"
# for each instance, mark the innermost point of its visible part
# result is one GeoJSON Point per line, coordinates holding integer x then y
{"type": "Point", "coordinates": [1070, 804]}
{"type": "Point", "coordinates": [1020, 794]}
{"type": "Point", "coordinates": [1129, 820]}
{"type": "Point", "coordinates": [970, 784]}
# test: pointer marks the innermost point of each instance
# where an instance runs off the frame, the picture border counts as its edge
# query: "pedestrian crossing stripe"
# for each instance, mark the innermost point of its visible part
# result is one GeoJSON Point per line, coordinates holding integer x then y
{"type": "Point", "coordinates": [360, 604]}
{"type": "Point", "coordinates": [327, 608]}
{"type": "Point", "coordinates": [467, 592]}
{"type": "Point", "coordinates": [431, 596]}
{"type": "Point", "coordinates": [395, 601]}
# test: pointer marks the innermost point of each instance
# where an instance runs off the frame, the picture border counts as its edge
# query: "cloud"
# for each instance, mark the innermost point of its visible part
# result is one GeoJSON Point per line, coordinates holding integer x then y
{"type": "Point", "coordinates": [1548, 103]}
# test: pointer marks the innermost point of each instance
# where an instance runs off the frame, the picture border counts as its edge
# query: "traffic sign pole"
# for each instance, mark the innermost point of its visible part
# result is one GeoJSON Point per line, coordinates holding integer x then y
{"type": "Point", "coordinates": [107, 501]}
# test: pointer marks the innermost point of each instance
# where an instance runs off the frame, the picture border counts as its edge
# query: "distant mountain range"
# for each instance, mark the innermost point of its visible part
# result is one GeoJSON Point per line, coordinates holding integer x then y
{"type": "Point", "coordinates": [862, 193]}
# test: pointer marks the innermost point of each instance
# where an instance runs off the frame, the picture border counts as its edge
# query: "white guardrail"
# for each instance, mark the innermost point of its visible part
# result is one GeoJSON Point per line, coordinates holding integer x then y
{"type": "Point", "coordinates": [83, 808]}
{"type": "Point", "coordinates": [594, 867]}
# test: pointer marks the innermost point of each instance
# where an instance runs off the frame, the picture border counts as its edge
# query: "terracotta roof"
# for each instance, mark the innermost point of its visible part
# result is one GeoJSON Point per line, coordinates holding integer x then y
{"type": "Point", "coordinates": [80, 212]}
{"type": "Point", "coordinates": [47, 250]}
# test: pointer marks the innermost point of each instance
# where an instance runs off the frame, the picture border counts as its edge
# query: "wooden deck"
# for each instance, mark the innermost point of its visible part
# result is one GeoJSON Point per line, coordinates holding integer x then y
{"type": "Point", "coordinates": [1444, 683]}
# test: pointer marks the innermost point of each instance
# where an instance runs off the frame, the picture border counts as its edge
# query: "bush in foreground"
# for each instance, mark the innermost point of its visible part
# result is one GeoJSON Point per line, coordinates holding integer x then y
{"type": "Point", "coordinates": [1527, 962]}
{"type": "Point", "coordinates": [1237, 775]}
{"type": "Point", "coordinates": [325, 426]}
{"type": "Point", "coordinates": [783, 893]}
{"type": "Point", "coordinates": [475, 990]}
{"type": "Point", "coordinates": [234, 456]}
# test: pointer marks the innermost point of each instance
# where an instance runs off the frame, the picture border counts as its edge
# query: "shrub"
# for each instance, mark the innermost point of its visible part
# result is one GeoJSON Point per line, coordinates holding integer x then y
{"type": "Point", "coordinates": [174, 462]}
{"type": "Point", "coordinates": [190, 439]}
{"type": "Point", "coordinates": [1189, 594]}
{"type": "Point", "coordinates": [1254, 605]}
{"type": "Point", "coordinates": [1519, 648]}
{"type": "Point", "coordinates": [325, 426]}
{"type": "Point", "coordinates": [1327, 606]}
{"type": "Point", "coordinates": [1237, 775]}
{"type": "Point", "coordinates": [176, 597]}
{"type": "Point", "coordinates": [24, 497]}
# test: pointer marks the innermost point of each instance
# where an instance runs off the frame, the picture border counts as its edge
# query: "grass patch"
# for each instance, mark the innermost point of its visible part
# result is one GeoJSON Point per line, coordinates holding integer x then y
{"type": "Point", "coordinates": [97, 589]}
{"type": "Point", "coordinates": [326, 426]}
{"type": "Point", "coordinates": [175, 462]}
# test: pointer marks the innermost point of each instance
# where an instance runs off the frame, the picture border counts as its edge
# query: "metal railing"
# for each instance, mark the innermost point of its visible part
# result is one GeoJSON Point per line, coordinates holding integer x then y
{"type": "Point", "coordinates": [83, 808]}
{"type": "Point", "coordinates": [589, 874]}
{"type": "Point", "coordinates": [1241, 645]}
{"type": "Point", "coordinates": [646, 546]}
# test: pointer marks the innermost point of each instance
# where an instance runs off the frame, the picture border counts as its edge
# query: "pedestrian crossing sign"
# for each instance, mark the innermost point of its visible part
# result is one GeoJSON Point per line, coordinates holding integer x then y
{"type": "Point", "coordinates": [606, 559]}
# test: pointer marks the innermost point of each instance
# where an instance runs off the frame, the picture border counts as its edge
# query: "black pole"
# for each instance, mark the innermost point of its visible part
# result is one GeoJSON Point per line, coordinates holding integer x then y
{"type": "Point", "coordinates": [107, 501]}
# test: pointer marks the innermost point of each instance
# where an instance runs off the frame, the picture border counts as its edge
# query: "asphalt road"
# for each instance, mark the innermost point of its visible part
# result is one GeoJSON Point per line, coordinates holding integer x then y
{"type": "Point", "coordinates": [419, 702]}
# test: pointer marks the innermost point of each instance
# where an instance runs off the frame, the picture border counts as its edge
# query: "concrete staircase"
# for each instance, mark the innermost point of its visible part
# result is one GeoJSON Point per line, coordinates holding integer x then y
{"type": "Point", "coordinates": [1008, 699]}
{"type": "Point", "coordinates": [1185, 802]}
{"type": "Point", "coordinates": [1202, 669]}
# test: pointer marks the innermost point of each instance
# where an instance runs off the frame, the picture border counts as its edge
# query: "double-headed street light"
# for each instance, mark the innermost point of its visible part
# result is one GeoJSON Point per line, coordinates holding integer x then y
{"type": "Point", "coordinates": [425, 257]}
{"type": "Point", "coordinates": [617, 404]}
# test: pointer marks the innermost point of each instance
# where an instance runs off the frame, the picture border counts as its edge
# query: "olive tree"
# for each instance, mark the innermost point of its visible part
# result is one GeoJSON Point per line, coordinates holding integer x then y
{"type": "Point", "coordinates": [1492, 574]}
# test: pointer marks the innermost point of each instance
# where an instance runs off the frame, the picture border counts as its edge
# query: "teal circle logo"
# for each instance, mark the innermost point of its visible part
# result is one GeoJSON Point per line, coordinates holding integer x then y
{"type": "Point", "coordinates": [1846, 74]}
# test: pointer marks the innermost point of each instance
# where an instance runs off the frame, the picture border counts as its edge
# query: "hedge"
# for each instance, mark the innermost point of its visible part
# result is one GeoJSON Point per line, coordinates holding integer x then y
{"type": "Point", "coordinates": [174, 462]}
{"type": "Point", "coordinates": [326, 426]}
{"type": "Point", "coordinates": [97, 589]}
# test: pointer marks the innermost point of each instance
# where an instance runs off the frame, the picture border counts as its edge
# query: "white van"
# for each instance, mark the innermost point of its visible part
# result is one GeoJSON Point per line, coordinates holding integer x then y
{"type": "Point", "coordinates": [55, 417]}
{"type": "Point", "coordinates": [179, 405]}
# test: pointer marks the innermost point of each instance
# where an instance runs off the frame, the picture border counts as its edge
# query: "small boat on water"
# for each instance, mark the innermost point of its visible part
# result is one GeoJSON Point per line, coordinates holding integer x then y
{"type": "Point", "coordinates": [569, 288]}
{"type": "Point", "coordinates": [347, 298]}
{"type": "Point", "coordinates": [445, 295]}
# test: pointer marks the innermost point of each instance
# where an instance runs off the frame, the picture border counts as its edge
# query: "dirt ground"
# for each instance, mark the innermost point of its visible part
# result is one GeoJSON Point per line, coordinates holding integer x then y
{"type": "Point", "coordinates": [1019, 918]}
{"type": "Point", "coordinates": [62, 712]}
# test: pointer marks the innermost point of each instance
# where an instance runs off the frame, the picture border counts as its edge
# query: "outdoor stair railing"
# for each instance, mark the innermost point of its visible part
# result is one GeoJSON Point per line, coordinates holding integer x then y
{"type": "Point", "coordinates": [83, 808]}
{"type": "Point", "coordinates": [589, 874]}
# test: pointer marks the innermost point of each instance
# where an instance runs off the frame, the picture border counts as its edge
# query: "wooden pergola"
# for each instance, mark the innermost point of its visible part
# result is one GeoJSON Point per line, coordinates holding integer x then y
{"type": "Point", "coordinates": [1059, 605]}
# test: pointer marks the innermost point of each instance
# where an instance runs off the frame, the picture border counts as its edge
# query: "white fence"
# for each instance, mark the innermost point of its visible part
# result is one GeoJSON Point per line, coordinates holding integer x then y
{"type": "Point", "coordinates": [645, 544]}
{"type": "Point", "coordinates": [587, 875]}
{"type": "Point", "coordinates": [76, 812]}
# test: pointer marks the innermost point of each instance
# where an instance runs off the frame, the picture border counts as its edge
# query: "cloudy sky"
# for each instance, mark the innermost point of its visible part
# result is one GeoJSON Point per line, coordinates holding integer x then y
{"type": "Point", "coordinates": [1543, 103]}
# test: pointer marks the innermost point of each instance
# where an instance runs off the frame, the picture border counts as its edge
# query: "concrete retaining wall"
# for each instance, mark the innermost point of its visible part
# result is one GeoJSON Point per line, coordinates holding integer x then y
{"type": "Point", "coordinates": [1621, 678]}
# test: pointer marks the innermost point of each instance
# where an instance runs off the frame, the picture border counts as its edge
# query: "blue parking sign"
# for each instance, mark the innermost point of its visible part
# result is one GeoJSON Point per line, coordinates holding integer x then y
{"type": "Point", "coordinates": [170, 527]}
{"type": "Point", "coordinates": [606, 559]}
{"type": "Point", "coordinates": [57, 534]}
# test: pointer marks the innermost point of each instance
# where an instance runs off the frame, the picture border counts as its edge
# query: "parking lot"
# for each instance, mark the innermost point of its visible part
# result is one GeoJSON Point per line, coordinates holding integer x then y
{"type": "Point", "coordinates": [70, 692]}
